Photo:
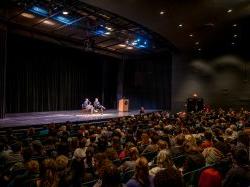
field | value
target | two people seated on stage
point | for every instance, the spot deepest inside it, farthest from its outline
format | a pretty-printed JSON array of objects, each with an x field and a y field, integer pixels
[{"x": 92, "y": 108}]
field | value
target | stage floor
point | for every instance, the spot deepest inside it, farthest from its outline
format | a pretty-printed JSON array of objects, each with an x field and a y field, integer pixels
[{"x": 75, "y": 116}]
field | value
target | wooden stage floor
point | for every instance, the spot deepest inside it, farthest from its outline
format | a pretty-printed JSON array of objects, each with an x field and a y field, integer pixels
[{"x": 74, "y": 116}]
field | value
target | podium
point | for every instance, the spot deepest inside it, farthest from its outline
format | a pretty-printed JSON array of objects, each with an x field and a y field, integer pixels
[{"x": 123, "y": 105}]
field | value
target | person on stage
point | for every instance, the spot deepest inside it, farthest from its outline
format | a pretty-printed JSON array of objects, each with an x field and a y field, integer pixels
[
  {"x": 98, "y": 106},
  {"x": 87, "y": 105}
]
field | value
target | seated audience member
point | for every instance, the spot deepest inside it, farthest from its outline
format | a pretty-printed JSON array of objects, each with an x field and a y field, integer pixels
[
  {"x": 208, "y": 140},
  {"x": 153, "y": 146},
  {"x": 177, "y": 149},
  {"x": 29, "y": 177},
  {"x": 141, "y": 177},
  {"x": 98, "y": 106},
  {"x": 130, "y": 164},
  {"x": 194, "y": 159},
  {"x": 163, "y": 161},
  {"x": 168, "y": 177},
  {"x": 109, "y": 176},
  {"x": 211, "y": 176},
  {"x": 48, "y": 174},
  {"x": 239, "y": 174}
]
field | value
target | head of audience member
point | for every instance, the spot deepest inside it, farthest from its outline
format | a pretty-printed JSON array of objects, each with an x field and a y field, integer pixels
[
  {"x": 133, "y": 153},
  {"x": 61, "y": 163},
  {"x": 163, "y": 160},
  {"x": 212, "y": 155},
  {"x": 241, "y": 157},
  {"x": 168, "y": 177},
  {"x": 180, "y": 139},
  {"x": 110, "y": 175},
  {"x": 16, "y": 147},
  {"x": 142, "y": 171}
]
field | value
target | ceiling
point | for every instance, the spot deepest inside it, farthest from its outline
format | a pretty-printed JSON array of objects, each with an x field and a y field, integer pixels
[
  {"x": 205, "y": 23},
  {"x": 189, "y": 26},
  {"x": 77, "y": 24}
]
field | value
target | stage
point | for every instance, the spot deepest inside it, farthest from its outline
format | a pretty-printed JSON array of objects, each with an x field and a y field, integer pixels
[{"x": 74, "y": 116}]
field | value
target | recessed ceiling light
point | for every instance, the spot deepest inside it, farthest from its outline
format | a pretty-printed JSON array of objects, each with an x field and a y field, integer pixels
[
  {"x": 191, "y": 35},
  {"x": 65, "y": 12},
  {"x": 109, "y": 28},
  {"x": 235, "y": 25},
  {"x": 129, "y": 47},
  {"x": 229, "y": 10},
  {"x": 235, "y": 36},
  {"x": 27, "y": 15},
  {"x": 162, "y": 12},
  {"x": 233, "y": 43},
  {"x": 197, "y": 43},
  {"x": 199, "y": 49},
  {"x": 180, "y": 25},
  {"x": 49, "y": 22},
  {"x": 122, "y": 45}
]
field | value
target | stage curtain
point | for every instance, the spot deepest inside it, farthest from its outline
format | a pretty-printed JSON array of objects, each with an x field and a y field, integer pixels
[
  {"x": 47, "y": 77},
  {"x": 3, "y": 60}
]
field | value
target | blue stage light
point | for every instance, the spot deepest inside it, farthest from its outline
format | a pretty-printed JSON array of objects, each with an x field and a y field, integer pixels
[
  {"x": 139, "y": 42},
  {"x": 38, "y": 10},
  {"x": 63, "y": 19}
]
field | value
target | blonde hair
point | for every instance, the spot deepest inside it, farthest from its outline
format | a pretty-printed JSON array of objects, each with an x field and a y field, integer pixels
[{"x": 61, "y": 162}]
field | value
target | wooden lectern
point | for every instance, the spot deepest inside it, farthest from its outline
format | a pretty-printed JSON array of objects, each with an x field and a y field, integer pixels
[{"x": 123, "y": 105}]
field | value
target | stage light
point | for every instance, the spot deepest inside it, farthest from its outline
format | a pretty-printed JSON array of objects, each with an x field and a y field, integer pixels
[
  {"x": 162, "y": 12},
  {"x": 38, "y": 10},
  {"x": 235, "y": 25},
  {"x": 63, "y": 19},
  {"x": 197, "y": 43},
  {"x": 191, "y": 35},
  {"x": 129, "y": 47},
  {"x": 180, "y": 25},
  {"x": 27, "y": 15},
  {"x": 233, "y": 43},
  {"x": 109, "y": 28},
  {"x": 122, "y": 45},
  {"x": 229, "y": 10},
  {"x": 48, "y": 22},
  {"x": 199, "y": 49},
  {"x": 65, "y": 12},
  {"x": 235, "y": 36}
]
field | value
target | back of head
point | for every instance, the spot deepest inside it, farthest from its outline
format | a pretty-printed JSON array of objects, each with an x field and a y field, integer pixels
[
  {"x": 208, "y": 135},
  {"x": 240, "y": 156},
  {"x": 142, "y": 171},
  {"x": 61, "y": 162},
  {"x": 168, "y": 177},
  {"x": 16, "y": 147},
  {"x": 111, "y": 176},
  {"x": 180, "y": 139},
  {"x": 212, "y": 155}
]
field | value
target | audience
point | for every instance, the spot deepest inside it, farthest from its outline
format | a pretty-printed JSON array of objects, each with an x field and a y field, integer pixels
[{"x": 205, "y": 149}]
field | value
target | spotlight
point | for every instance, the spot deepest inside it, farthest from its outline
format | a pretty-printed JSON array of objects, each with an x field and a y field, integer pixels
[
  {"x": 122, "y": 45},
  {"x": 191, "y": 35},
  {"x": 235, "y": 36},
  {"x": 27, "y": 15},
  {"x": 129, "y": 47},
  {"x": 107, "y": 33},
  {"x": 199, "y": 49},
  {"x": 197, "y": 43},
  {"x": 235, "y": 25},
  {"x": 162, "y": 12},
  {"x": 229, "y": 10},
  {"x": 180, "y": 25},
  {"x": 47, "y": 22},
  {"x": 65, "y": 12}
]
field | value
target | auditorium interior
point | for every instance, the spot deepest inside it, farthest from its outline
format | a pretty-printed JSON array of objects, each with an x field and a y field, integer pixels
[{"x": 133, "y": 93}]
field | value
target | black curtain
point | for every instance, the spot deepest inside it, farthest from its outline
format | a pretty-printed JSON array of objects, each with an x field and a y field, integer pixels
[
  {"x": 148, "y": 82},
  {"x": 3, "y": 60},
  {"x": 47, "y": 77}
]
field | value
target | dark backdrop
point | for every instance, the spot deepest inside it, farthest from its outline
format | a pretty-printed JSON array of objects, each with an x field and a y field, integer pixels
[
  {"x": 147, "y": 82},
  {"x": 46, "y": 77}
]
